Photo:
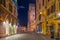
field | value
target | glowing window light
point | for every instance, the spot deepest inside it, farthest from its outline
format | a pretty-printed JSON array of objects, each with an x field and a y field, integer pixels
[
  {"x": 10, "y": 24},
  {"x": 4, "y": 23}
]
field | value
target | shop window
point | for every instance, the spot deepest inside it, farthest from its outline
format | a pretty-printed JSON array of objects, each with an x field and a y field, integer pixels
[
  {"x": 39, "y": 27},
  {"x": 51, "y": 27}
]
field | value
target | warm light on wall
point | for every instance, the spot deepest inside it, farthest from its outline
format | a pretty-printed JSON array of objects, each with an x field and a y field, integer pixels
[
  {"x": 40, "y": 12},
  {"x": 10, "y": 24},
  {"x": 3, "y": 22},
  {"x": 58, "y": 14},
  {"x": 6, "y": 26}
]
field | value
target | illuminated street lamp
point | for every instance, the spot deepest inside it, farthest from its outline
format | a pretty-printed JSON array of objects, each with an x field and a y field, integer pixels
[
  {"x": 40, "y": 12},
  {"x": 58, "y": 14}
]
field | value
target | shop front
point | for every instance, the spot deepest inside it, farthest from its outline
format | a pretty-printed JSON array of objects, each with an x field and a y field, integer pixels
[
  {"x": 39, "y": 28},
  {"x": 2, "y": 29},
  {"x": 58, "y": 31},
  {"x": 7, "y": 28},
  {"x": 52, "y": 28}
]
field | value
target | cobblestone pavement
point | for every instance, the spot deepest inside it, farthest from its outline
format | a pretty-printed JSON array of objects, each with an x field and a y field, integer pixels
[{"x": 26, "y": 36}]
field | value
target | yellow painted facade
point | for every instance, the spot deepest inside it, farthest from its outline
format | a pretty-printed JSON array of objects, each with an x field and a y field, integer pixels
[{"x": 48, "y": 16}]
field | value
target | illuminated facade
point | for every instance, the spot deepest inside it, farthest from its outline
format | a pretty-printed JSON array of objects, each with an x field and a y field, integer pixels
[
  {"x": 41, "y": 15},
  {"x": 8, "y": 17},
  {"x": 46, "y": 15},
  {"x": 31, "y": 17}
]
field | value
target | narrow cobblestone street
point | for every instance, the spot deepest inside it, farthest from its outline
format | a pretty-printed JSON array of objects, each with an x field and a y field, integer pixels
[{"x": 27, "y": 36}]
